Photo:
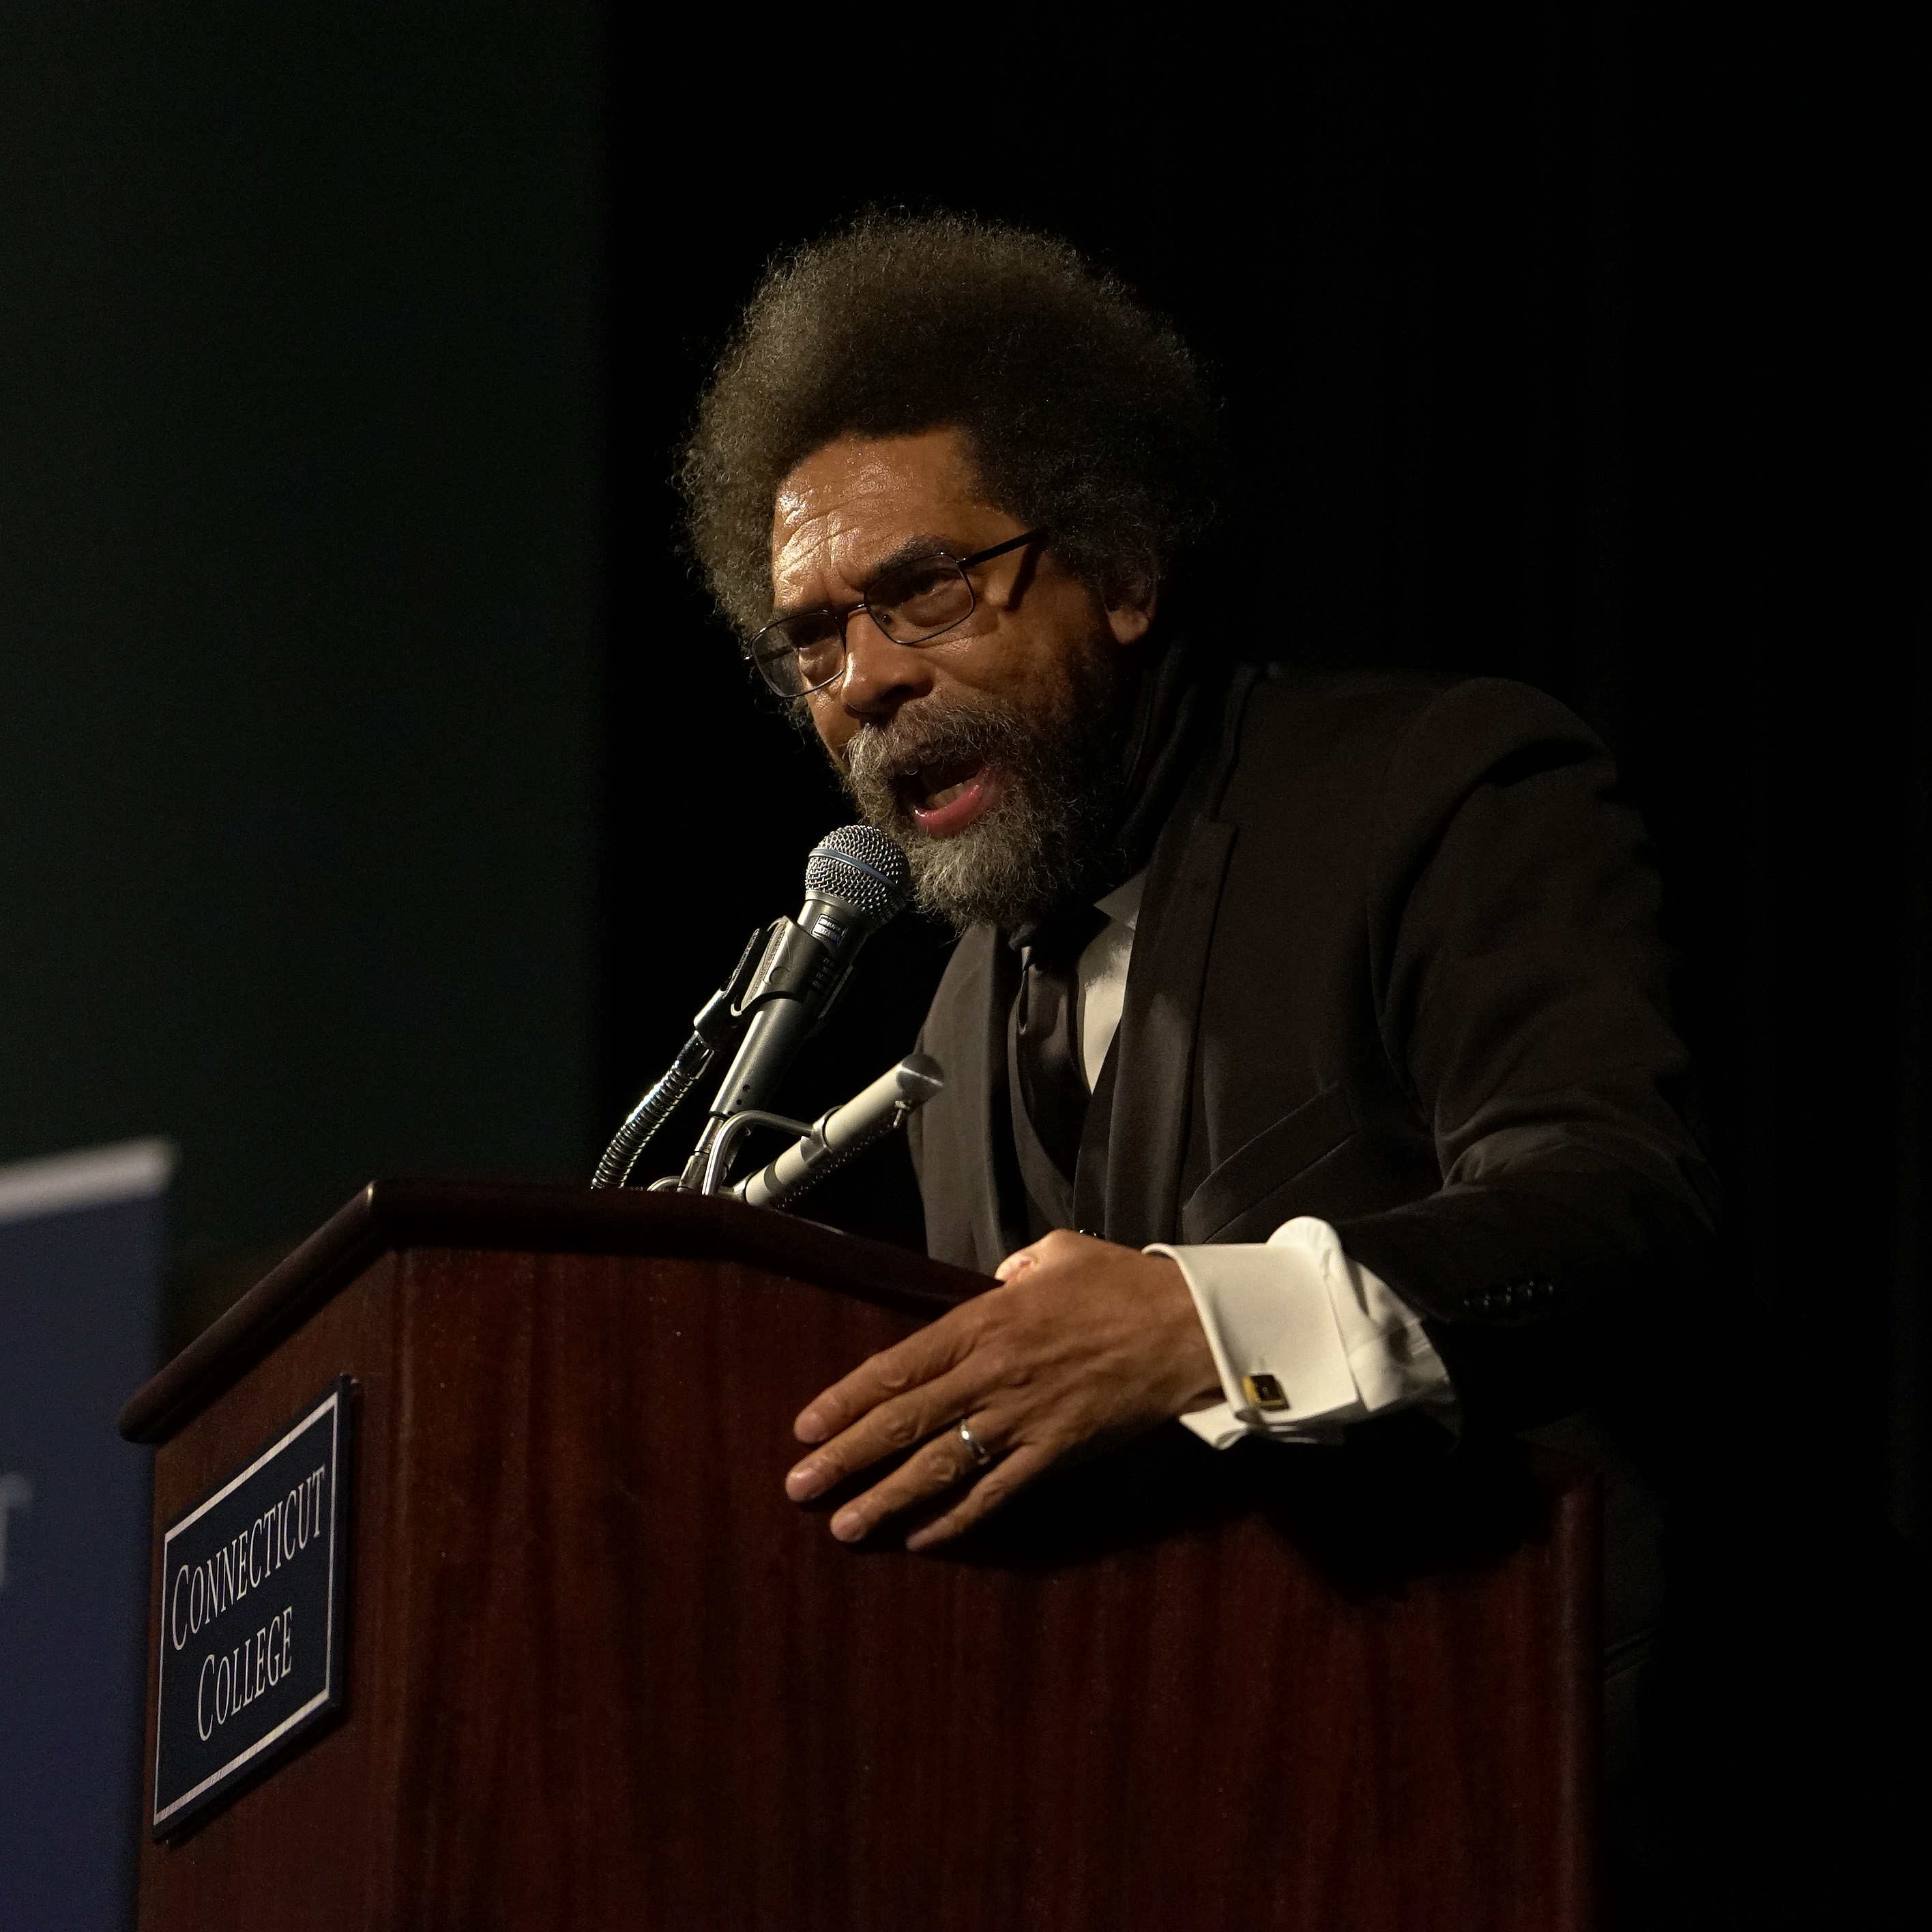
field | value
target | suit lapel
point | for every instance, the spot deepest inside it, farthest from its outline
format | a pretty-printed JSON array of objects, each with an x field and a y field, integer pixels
[
  {"x": 960, "y": 1132},
  {"x": 1132, "y": 1194},
  {"x": 1147, "y": 1125}
]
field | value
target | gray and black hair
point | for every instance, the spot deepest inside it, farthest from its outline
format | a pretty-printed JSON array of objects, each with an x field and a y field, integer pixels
[{"x": 1082, "y": 410}]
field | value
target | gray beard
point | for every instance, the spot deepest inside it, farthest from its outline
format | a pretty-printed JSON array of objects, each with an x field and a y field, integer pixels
[{"x": 1047, "y": 842}]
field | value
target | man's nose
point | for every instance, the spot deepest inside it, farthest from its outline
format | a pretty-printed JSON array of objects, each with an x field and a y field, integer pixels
[{"x": 880, "y": 675}]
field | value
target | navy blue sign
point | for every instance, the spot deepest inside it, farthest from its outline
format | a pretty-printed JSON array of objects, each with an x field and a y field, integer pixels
[
  {"x": 82, "y": 1242},
  {"x": 253, "y": 1611}
]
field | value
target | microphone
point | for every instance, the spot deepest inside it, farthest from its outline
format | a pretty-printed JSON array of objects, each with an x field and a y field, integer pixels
[
  {"x": 868, "y": 1116},
  {"x": 856, "y": 881}
]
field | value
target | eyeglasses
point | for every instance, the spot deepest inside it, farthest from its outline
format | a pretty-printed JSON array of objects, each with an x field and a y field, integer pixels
[{"x": 912, "y": 603}]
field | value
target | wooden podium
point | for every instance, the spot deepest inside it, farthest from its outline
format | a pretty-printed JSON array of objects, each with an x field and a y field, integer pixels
[{"x": 599, "y": 1672}]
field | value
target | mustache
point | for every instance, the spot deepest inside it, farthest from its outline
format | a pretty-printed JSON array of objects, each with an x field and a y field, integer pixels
[
  {"x": 881, "y": 761},
  {"x": 882, "y": 754}
]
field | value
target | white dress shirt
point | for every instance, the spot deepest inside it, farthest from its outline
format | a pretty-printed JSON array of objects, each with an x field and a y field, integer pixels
[{"x": 1304, "y": 1339}]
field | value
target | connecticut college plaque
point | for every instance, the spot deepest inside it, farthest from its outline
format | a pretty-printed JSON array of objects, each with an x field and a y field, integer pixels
[{"x": 253, "y": 1611}]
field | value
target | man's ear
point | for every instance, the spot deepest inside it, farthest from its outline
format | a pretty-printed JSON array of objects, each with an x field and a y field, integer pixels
[{"x": 1130, "y": 608}]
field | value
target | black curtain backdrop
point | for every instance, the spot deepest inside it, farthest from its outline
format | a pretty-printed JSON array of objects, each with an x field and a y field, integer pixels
[
  {"x": 301, "y": 333},
  {"x": 1582, "y": 345}
]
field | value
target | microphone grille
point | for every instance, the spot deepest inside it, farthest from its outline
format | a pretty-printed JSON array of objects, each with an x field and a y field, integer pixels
[{"x": 861, "y": 868}]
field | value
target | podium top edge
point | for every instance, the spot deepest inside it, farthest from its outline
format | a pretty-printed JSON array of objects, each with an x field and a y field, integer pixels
[{"x": 390, "y": 1215}]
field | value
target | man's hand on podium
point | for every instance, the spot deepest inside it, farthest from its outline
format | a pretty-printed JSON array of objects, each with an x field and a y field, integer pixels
[{"x": 1084, "y": 1343}]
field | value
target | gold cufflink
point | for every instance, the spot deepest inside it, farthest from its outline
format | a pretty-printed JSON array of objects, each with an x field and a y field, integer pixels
[{"x": 1264, "y": 1391}]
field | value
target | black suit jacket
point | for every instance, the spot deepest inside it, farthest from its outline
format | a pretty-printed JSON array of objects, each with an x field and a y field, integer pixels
[{"x": 1397, "y": 966}]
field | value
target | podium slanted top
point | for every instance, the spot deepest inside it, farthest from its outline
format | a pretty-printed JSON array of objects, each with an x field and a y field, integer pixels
[{"x": 389, "y": 1215}]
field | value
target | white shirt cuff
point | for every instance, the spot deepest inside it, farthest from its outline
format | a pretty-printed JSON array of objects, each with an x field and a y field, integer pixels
[{"x": 1304, "y": 1339}]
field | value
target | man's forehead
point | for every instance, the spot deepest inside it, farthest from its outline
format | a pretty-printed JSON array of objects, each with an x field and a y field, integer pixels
[{"x": 855, "y": 504}]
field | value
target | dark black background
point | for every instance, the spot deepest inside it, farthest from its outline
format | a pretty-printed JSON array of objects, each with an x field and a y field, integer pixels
[
  {"x": 377, "y": 793},
  {"x": 302, "y": 381}
]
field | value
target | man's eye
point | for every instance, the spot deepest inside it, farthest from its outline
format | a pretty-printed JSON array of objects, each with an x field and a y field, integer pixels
[
  {"x": 812, "y": 631},
  {"x": 921, "y": 580},
  {"x": 922, "y": 592}
]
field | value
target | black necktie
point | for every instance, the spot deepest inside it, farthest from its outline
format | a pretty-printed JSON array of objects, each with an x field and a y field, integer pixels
[{"x": 1053, "y": 1081}]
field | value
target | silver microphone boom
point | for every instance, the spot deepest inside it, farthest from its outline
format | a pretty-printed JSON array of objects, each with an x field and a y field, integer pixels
[{"x": 869, "y": 1116}]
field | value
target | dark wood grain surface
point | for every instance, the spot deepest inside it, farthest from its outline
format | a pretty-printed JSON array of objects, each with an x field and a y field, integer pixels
[
  {"x": 390, "y": 1214},
  {"x": 601, "y": 1673}
]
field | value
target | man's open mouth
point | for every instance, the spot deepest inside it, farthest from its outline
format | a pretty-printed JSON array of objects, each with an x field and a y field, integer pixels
[{"x": 946, "y": 796}]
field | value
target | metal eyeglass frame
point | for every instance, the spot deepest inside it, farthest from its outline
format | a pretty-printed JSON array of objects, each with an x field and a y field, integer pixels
[{"x": 846, "y": 613}]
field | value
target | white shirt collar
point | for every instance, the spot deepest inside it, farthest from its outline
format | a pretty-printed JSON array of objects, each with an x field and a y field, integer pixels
[{"x": 1123, "y": 903}]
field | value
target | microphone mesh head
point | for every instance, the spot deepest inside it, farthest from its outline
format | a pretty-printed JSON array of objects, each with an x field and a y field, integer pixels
[{"x": 861, "y": 868}]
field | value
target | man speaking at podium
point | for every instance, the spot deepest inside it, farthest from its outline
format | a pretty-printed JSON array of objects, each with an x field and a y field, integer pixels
[
  {"x": 1309, "y": 1054},
  {"x": 1308, "y": 1042}
]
